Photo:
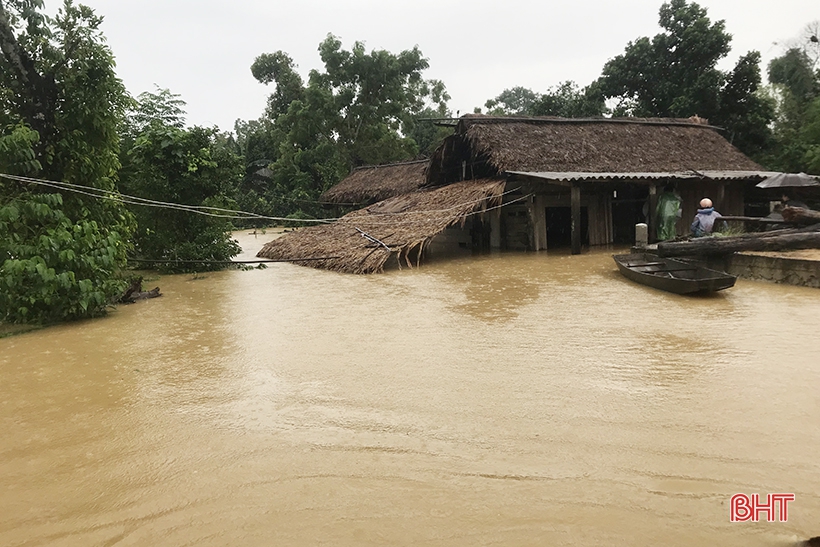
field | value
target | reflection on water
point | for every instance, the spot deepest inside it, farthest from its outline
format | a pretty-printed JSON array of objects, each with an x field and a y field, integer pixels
[
  {"x": 514, "y": 399},
  {"x": 490, "y": 294}
]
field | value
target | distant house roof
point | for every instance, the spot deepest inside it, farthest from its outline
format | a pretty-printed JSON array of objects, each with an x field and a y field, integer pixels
[
  {"x": 493, "y": 145},
  {"x": 377, "y": 182},
  {"x": 396, "y": 228},
  {"x": 556, "y": 177}
]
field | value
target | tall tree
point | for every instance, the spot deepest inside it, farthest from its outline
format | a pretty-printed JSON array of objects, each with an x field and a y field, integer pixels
[
  {"x": 567, "y": 100},
  {"x": 675, "y": 74},
  {"x": 516, "y": 101},
  {"x": 280, "y": 69},
  {"x": 61, "y": 105},
  {"x": 164, "y": 161},
  {"x": 362, "y": 108},
  {"x": 796, "y": 85}
]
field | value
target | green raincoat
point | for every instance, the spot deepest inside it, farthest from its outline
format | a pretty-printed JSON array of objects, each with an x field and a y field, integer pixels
[{"x": 667, "y": 213}]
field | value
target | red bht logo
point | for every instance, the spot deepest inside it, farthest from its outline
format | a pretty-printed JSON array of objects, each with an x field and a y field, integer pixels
[{"x": 750, "y": 508}]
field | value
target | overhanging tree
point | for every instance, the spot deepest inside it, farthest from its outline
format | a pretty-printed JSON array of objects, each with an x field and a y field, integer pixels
[{"x": 61, "y": 104}]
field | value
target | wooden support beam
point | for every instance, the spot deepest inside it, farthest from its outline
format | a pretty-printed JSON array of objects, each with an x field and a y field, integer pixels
[
  {"x": 652, "y": 220},
  {"x": 533, "y": 235},
  {"x": 575, "y": 197},
  {"x": 495, "y": 228}
]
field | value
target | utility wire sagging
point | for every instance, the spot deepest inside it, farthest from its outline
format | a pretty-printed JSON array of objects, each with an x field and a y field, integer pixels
[
  {"x": 231, "y": 214},
  {"x": 97, "y": 193}
]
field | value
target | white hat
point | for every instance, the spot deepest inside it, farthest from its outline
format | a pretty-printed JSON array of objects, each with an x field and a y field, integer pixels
[{"x": 705, "y": 203}]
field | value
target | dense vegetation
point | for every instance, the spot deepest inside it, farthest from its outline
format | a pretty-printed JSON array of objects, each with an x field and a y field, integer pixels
[
  {"x": 60, "y": 253},
  {"x": 65, "y": 116},
  {"x": 164, "y": 161}
]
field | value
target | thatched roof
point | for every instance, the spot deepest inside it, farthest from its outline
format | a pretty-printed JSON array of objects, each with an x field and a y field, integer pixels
[
  {"x": 377, "y": 182},
  {"x": 404, "y": 224},
  {"x": 492, "y": 145}
]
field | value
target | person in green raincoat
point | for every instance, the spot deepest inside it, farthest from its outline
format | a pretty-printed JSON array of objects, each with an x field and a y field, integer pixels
[{"x": 667, "y": 213}]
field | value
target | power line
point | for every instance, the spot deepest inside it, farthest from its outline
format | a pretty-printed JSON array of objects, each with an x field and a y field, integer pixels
[
  {"x": 244, "y": 215},
  {"x": 135, "y": 200}
]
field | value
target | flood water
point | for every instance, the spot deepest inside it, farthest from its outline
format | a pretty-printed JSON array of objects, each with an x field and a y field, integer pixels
[{"x": 511, "y": 399}]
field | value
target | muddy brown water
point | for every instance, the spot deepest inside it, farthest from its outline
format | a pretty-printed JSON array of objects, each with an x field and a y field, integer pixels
[{"x": 514, "y": 399}]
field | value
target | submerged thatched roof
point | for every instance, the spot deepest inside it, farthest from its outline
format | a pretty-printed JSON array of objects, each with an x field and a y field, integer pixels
[
  {"x": 377, "y": 182},
  {"x": 494, "y": 145},
  {"x": 403, "y": 224}
]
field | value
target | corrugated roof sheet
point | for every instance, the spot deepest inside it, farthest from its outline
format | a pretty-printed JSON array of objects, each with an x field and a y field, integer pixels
[{"x": 587, "y": 176}]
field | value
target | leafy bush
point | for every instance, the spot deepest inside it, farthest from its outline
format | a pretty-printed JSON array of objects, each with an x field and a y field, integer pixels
[{"x": 52, "y": 268}]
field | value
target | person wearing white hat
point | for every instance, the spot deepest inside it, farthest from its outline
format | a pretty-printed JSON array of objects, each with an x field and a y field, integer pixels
[{"x": 704, "y": 221}]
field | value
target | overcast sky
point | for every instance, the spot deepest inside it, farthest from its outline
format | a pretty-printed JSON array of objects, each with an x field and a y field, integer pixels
[{"x": 203, "y": 49}]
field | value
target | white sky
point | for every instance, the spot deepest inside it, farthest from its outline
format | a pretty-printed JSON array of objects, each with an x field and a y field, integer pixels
[{"x": 203, "y": 49}]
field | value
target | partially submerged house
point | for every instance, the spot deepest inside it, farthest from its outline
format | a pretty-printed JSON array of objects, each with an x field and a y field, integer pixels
[
  {"x": 589, "y": 181},
  {"x": 533, "y": 184},
  {"x": 401, "y": 228}
]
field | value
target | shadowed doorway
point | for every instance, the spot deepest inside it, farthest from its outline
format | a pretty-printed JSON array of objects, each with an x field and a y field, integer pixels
[{"x": 559, "y": 227}]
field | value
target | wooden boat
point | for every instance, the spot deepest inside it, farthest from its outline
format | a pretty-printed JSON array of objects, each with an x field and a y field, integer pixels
[{"x": 672, "y": 275}]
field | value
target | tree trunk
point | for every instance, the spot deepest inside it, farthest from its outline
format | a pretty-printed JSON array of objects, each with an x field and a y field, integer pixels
[
  {"x": 806, "y": 238},
  {"x": 800, "y": 215}
]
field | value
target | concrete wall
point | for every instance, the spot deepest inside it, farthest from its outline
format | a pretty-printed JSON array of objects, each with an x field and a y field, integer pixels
[{"x": 779, "y": 269}]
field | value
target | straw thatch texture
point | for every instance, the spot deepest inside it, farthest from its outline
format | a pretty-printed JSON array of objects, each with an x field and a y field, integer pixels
[
  {"x": 375, "y": 183},
  {"x": 405, "y": 224},
  {"x": 495, "y": 145}
]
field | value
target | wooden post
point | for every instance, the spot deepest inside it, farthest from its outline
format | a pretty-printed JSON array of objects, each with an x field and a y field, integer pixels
[
  {"x": 495, "y": 228},
  {"x": 540, "y": 223},
  {"x": 576, "y": 218},
  {"x": 653, "y": 220},
  {"x": 533, "y": 236},
  {"x": 721, "y": 194}
]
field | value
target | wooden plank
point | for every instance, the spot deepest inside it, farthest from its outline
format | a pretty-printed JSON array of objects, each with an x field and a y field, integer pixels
[
  {"x": 575, "y": 204},
  {"x": 665, "y": 270},
  {"x": 762, "y": 220}
]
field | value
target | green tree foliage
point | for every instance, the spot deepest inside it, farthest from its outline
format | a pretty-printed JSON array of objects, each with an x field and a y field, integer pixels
[
  {"x": 566, "y": 100},
  {"x": 675, "y": 74},
  {"x": 279, "y": 68},
  {"x": 516, "y": 101},
  {"x": 796, "y": 87},
  {"x": 810, "y": 135},
  {"x": 195, "y": 166},
  {"x": 61, "y": 105},
  {"x": 362, "y": 108},
  {"x": 59, "y": 268},
  {"x": 162, "y": 107}
]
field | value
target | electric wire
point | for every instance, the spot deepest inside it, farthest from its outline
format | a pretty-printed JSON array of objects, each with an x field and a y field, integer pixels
[
  {"x": 125, "y": 198},
  {"x": 134, "y": 200},
  {"x": 243, "y": 215}
]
